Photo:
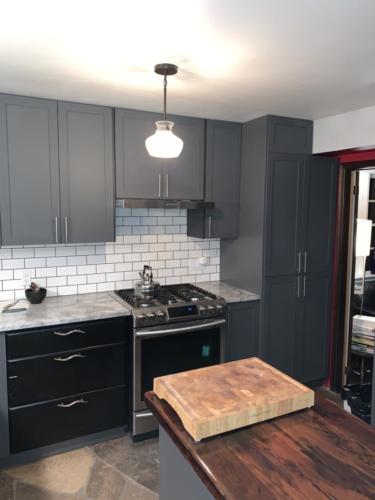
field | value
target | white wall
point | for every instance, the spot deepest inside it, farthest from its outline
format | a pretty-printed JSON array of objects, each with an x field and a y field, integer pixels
[
  {"x": 348, "y": 130},
  {"x": 143, "y": 236}
]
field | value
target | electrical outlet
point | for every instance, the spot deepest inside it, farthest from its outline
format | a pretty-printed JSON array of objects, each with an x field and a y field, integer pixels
[{"x": 26, "y": 278}]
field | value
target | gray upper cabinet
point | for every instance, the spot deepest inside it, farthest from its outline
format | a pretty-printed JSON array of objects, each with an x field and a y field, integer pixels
[
  {"x": 184, "y": 176},
  {"x": 138, "y": 175},
  {"x": 283, "y": 221},
  {"x": 222, "y": 183},
  {"x": 29, "y": 171},
  {"x": 86, "y": 172},
  {"x": 320, "y": 182},
  {"x": 289, "y": 135}
]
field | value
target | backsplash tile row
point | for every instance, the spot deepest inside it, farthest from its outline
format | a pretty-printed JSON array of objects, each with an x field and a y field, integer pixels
[{"x": 143, "y": 236}]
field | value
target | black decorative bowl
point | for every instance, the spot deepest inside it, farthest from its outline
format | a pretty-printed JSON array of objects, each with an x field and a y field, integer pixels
[{"x": 36, "y": 296}]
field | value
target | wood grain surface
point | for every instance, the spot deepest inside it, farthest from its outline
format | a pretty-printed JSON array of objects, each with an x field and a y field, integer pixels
[
  {"x": 317, "y": 453},
  {"x": 224, "y": 397}
]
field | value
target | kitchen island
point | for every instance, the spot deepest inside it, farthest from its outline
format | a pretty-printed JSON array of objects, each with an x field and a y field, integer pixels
[{"x": 322, "y": 452}]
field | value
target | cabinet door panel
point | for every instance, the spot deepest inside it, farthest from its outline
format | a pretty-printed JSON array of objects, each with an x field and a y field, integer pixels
[
  {"x": 87, "y": 172},
  {"x": 137, "y": 173},
  {"x": 313, "y": 331},
  {"x": 242, "y": 333},
  {"x": 284, "y": 205},
  {"x": 280, "y": 317},
  {"x": 320, "y": 183},
  {"x": 184, "y": 176},
  {"x": 29, "y": 170},
  {"x": 289, "y": 135}
]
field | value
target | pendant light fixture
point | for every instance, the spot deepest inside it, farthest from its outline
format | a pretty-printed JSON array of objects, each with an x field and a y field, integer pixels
[{"x": 164, "y": 143}]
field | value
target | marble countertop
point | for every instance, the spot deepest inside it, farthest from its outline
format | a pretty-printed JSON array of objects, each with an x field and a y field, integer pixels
[
  {"x": 65, "y": 309},
  {"x": 228, "y": 292},
  {"x": 87, "y": 307}
]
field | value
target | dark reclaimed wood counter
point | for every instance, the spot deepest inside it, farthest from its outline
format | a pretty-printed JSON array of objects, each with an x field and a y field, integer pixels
[{"x": 322, "y": 452}]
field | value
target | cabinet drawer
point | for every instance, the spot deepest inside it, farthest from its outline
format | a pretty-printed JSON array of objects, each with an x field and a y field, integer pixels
[
  {"x": 68, "y": 418},
  {"x": 40, "y": 379},
  {"x": 65, "y": 338}
]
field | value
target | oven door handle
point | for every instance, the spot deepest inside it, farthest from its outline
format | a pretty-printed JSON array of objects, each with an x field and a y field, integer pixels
[{"x": 182, "y": 329}]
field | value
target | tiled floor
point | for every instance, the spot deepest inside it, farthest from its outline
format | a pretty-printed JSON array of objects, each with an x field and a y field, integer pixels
[{"x": 113, "y": 470}]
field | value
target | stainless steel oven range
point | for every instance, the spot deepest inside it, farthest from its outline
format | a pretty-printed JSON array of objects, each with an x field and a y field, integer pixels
[{"x": 179, "y": 329}]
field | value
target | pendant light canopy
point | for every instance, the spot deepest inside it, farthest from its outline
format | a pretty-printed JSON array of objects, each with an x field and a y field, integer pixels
[{"x": 164, "y": 143}]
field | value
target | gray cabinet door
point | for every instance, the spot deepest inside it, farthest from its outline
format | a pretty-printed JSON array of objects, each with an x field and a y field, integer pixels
[
  {"x": 281, "y": 312},
  {"x": 313, "y": 330},
  {"x": 29, "y": 171},
  {"x": 222, "y": 186},
  {"x": 283, "y": 219},
  {"x": 86, "y": 172},
  {"x": 242, "y": 332},
  {"x": 320, "y": 183},
  {"x": 184, "y": 176},
  {"x": 289, "y": 135},
  {"x": 138, "y": 175}
]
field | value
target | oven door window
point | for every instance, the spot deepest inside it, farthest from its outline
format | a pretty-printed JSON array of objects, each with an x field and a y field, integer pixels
[{"x": 177, "y": 353}]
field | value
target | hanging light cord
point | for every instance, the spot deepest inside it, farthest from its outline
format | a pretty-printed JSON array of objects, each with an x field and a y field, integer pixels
[{"x": 165, "y": 96}]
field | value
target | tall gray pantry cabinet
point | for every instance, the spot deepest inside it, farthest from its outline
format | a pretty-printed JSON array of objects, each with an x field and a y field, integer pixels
[
  {"x": 56, "y": 172},
  {"x": 285, "y": 243}
]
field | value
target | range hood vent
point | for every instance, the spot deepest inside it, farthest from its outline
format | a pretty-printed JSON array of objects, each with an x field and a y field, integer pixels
[{"x": 136, "y": 203}]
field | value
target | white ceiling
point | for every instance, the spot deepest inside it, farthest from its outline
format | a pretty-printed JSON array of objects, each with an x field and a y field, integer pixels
[{"x": 238, "y": 58}]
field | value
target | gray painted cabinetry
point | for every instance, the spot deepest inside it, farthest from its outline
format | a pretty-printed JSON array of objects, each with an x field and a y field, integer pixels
[
  {"x": 242, "y": 331},
  {"x": 222, "y": 182},
  {"x": 287, "y": 209},
  {"x": 138, "y": 175},
  {"x": 56, "y": 172}
]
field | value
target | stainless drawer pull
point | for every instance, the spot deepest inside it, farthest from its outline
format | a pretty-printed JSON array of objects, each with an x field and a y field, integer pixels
[
  {"x": 73, "y": 356},
  {"x": 61, "y": 334},
  {"x": 73, "y": 403},
  {"x": 12, "y": 377}
]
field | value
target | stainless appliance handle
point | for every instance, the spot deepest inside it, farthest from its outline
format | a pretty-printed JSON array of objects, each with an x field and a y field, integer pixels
[
  {"x": 73, "y": 403},
  {"x": 209, "y": 226},
  {"x": 166, "y": 185},
  {"x": 144, "y": 414},
  {"x": 159, "y": 192},
  {"x": 305, "y": 265},
  {"x": 66, "y": 229},
  {"x": 304, "y": 285},
  {"x": 168, "y": 331},
  {"x": 299, "y": 262},
  {"x": 298, "y": 286},
  {"x": 61, "y": 334},
  {"x": 69, "y": 358},
  {"x": 56, "y": 230}
]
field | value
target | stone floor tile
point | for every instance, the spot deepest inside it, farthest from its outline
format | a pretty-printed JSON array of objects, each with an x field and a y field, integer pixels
[
  {"x": 139, "y": 461},
  {"x": 135, "y": 491},
  {"x": 64, "y": 473},
  {"x": 30, "y": 492},
  {"x": 6, "y": 488},
  {"x": 105, "y": 482}
]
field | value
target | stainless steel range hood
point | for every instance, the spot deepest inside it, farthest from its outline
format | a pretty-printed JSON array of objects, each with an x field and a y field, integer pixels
[{"x": 135, "y": 203}]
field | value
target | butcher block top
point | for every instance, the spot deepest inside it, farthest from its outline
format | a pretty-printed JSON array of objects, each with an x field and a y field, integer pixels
[{"x": 220, "y": 398}]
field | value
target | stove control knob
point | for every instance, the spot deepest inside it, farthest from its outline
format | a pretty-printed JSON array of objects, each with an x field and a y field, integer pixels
[
  {"x": 151, "y": 315},
  {"x": 202, "y": 308},
  {"x": 140, "y": 317},
  {"x": 210, "y": 308},
  {"x": 219, "y": 307},
  {"x": 160, "y": 314}
]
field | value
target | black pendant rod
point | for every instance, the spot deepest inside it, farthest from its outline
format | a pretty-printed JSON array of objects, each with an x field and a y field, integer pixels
[{"x": 165, "y": 96}]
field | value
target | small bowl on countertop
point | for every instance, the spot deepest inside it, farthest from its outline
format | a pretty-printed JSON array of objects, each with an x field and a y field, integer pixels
[{"x": 36, "y": 296}]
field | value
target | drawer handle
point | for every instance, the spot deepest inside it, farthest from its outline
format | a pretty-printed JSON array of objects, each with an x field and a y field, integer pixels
[
  {"x": 73, "y": 403},
  {"x": 73, "y": 356},
  {"x": 12, "y": 377},
  {"x": 61, "y": 334}
]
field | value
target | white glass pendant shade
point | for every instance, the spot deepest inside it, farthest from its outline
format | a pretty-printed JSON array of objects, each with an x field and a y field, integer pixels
[{"x": 164, "y": 143}]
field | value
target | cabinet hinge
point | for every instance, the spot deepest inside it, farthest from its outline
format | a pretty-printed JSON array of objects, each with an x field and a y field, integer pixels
[
  {"x": 346, "y": 370},
  {"x": 355, "y": 190}
]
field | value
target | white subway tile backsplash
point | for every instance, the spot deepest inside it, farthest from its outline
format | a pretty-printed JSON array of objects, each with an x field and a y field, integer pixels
[{"x": 143, "y": 236}]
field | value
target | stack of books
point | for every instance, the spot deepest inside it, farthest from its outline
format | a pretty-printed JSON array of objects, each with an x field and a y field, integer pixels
[{"x": 363, "y": 335}]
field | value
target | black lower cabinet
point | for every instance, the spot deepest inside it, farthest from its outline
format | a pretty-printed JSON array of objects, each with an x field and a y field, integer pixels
[
  {"x": 296, "y": 320},
  {"x": 47, "y": 423},
  {"x": 242, "y": 332},
  {"x": 48, "y": 377}
]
